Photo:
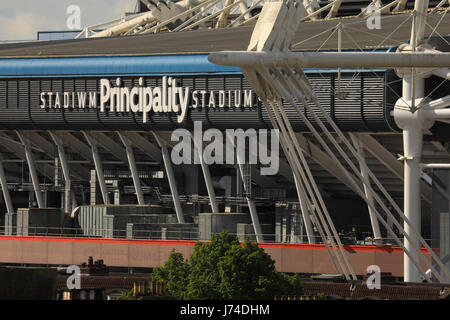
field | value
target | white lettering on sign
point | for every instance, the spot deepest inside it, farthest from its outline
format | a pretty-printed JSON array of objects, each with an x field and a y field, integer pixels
[{"x": 167, "y": 98}]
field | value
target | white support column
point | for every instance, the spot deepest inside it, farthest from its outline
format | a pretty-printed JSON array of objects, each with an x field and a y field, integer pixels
[
  {"x": 132, "y": 164},
  {"x": 98, "y": 167},
  {"x": 207, "y": 176},
  {"x": 412, "y": 142},
  {"x": 32, "y": 168},
  {"x": 5, "y": 190},
  {"x": 171, "y": 177},
  {"x": 363, "y": 165},
  {"x": 412, "y": 92},
  {"x": 413, "y": 125}
]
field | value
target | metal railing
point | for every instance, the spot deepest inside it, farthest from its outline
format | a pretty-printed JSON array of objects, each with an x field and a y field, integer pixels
[{"x": 164, "y": 234}]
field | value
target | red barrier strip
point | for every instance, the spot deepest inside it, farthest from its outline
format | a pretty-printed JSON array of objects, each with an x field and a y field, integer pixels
[{"x": 349, "y": 248}]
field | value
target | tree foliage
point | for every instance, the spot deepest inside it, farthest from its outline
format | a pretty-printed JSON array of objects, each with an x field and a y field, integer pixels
[
  {"x": 225, "y": 269},
  {"x": 174, "y": 273}
]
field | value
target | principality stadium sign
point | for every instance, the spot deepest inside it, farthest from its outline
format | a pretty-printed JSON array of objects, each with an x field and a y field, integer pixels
[{"x": 167, "y": 98}]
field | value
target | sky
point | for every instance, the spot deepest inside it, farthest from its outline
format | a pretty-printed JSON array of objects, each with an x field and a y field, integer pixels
[{"x": 22, "y": 19}]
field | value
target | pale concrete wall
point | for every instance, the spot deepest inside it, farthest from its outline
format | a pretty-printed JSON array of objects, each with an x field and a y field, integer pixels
[{"x": 152, "y": 253}]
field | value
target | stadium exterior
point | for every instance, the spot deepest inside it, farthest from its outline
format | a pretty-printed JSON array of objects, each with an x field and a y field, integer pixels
[{"x": 67, "y": 142}]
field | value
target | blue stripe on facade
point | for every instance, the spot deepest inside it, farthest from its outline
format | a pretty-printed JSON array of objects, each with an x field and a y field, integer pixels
[
  {"x": 186, "y": 64},
  {"x": 117, "y": 65}
]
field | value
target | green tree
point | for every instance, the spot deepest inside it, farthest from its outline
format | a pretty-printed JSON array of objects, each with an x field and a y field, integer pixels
[
  {"x": 174, "y": 273},
  {"x": 225, "y": 269}
]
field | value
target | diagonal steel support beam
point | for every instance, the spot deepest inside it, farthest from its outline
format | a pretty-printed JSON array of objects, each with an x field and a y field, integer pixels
[
  {"x": 321, "y": 158},
  {"x": 70, "y": 201},
  {"x": 364, "y": 174},
  {"x": 305, "y": 213},
  {"x": 170, "y": 177},
  {"x": 334, "y": 9},
  {"x": 198, "y": 147},
  {"x": 5, "y": 189},
  {"x": 250, "y": 202},
  {"x": 109, "y": 144},
  {"x": 143, "y": 144},
  {"x": 74, "y": 144},
  {"x": 48, "y": 148},
  {"x": 252, "y": 208},
  {"x": 443, "y": 73},
  {"x": 98, "y": 166},
  {"x": 401, "y": 4},
  {"x": 132, "y": 164},
  {"x": 390, "y": 161},
  {"x": 32, "y": 168},
  {"x": 16, "y": 148}
]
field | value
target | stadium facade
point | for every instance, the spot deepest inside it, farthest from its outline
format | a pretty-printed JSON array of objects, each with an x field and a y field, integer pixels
[{"x": 86, "y": 127}]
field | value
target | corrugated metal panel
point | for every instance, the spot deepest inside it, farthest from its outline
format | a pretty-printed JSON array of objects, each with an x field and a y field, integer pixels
[
  {"x": 10, "y": 111},
  {"x": 91, "y": 222},
  {"x": 12, "y": 94},
  {"x": 347, "y": 105},
  {"x": 322, "y": 85},
  {"x": 374, "y": 102},
  {"x": 229, "y": 115},
  {"x": 3, "y": 98},
  {"x": 21, "y": 109}
]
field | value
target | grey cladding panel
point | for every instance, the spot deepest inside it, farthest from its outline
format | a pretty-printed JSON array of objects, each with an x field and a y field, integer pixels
[{"x": 20, "y": 104}]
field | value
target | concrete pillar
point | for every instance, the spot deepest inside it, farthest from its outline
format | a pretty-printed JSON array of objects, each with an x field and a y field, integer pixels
[{"x": 116, "y": 192}]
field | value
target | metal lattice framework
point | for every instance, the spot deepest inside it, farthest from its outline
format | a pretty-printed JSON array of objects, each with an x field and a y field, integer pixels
[
  {"x": 276, "y": 74},
  {"x": 192, "y": 14}
]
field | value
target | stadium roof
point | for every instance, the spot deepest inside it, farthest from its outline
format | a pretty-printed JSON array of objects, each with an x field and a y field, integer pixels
[{"x": 312, "y": 35}]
